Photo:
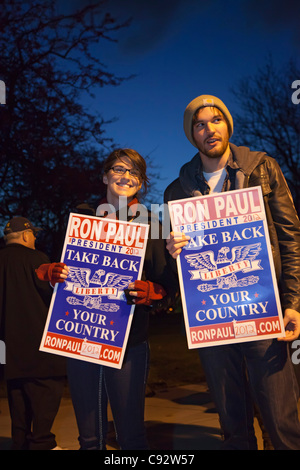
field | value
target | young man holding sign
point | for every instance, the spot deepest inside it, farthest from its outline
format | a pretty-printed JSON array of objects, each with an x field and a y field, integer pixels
[{"x": 220, "y": 166}]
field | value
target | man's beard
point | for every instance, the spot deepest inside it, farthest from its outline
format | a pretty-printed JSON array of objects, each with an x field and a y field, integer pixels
[{"x": 215, "y": 152}]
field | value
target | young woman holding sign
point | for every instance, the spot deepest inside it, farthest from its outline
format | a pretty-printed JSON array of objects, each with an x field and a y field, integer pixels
[{"x": 93, "y": 385}]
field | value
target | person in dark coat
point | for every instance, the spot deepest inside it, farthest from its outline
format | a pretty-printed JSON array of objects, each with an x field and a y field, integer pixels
[{"x": 35, "y": 380}]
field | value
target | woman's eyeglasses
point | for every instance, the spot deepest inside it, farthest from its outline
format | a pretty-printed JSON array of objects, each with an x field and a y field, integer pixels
[{"x": 121, "y": 170}]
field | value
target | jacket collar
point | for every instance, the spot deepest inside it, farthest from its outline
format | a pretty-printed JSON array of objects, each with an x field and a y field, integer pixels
[{"x": 242, "y": 160}]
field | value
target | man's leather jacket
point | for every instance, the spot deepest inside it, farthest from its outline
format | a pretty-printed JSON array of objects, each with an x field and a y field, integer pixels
[{"x": 246, "y": 168}]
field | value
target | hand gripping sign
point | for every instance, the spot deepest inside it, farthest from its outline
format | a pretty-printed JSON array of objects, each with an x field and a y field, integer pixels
[
  {"x": 227, "y": 278},
  {"x": 89, "y": 318}
]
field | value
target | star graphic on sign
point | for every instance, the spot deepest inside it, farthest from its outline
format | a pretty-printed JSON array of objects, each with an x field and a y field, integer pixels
[
  {"x": 67, "y": 313},
  {"x": 256, "y": 295},
  {"x": 112, "y": 322},
  {"x": 203, "y": 302}
]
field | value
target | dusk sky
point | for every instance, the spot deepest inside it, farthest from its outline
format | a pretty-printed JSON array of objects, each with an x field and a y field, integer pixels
[{"x": 181, "y": 49}]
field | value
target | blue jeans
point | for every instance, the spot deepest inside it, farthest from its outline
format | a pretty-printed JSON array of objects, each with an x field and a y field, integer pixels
[
  {"x": 273, "y": 387},
  {"x": 92, "y": 385}
]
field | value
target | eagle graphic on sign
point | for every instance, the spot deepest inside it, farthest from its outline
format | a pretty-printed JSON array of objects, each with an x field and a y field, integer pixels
[
  {"x": 223, "y": 269},
  {"x": 81, "y": 277},
  {"x": 120, "y": 281}
]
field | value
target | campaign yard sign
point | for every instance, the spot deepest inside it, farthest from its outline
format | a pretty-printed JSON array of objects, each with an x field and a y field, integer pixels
[
  {"x": 227, "y": 278},
  {"x": 89, "y": 318}
]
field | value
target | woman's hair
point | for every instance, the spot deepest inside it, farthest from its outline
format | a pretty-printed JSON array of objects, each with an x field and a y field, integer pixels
[{"x": 136, "y": 159}]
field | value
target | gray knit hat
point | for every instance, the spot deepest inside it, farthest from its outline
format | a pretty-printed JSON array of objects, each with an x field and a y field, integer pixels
[{"x": 201, "y": 102}]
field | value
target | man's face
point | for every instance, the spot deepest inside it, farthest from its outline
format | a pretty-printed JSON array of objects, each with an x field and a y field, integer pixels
[{"x": 210, "y": 132}]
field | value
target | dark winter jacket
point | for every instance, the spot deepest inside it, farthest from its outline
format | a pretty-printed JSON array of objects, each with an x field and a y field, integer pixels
[
  {"x": 24, "y": 303},
  {"x": 245, "y": 169}
]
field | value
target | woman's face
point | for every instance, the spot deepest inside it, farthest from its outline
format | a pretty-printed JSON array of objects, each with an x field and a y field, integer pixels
[{"x": 118, "y": 185}]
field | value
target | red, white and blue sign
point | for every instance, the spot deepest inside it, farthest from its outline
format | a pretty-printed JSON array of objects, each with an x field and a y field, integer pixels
[
  {"x": 227, "y": 279},
  {"x": 89, "y": 318}
]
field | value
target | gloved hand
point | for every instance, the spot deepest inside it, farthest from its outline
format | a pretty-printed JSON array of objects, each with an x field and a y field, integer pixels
[
  {"x": 52, "y": 272},
  {"x": 144, "y": 292}
]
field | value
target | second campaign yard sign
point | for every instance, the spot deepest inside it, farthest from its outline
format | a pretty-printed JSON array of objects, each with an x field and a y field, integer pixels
[
  {"x": 227, "y": 279},
  {"x": 89, "y": 318}
]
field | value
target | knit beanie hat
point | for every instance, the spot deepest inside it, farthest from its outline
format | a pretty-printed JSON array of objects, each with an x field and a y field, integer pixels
[{"x": 201, "y": 102}]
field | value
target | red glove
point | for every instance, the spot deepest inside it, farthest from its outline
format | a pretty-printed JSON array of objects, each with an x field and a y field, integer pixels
[
  {"x": 147, "y": 292},
  {"x": 51, "y": 272}
]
